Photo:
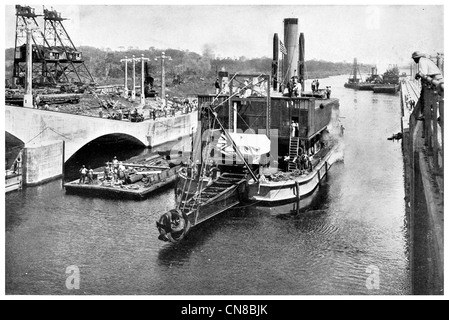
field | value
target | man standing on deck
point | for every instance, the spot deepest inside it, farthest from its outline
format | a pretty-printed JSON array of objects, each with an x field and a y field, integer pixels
[
  {"x": 328, "y": 92},
  {"x": 90, "y": 176},
  {"x": 115, "y": 163},
  {"x": 107, "y": 172},
  {"x": 83, "y": 173},
  {"x": 295, "y": 87}
]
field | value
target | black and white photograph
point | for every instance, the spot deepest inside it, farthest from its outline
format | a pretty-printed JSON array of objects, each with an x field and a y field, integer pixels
[{"x": 223, "y": 149}]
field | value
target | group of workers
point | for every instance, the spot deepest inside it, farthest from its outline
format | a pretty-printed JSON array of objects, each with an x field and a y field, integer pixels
[
  {"x": 409, "y": 102},
  {"x": 86, "y": 173},
  {"x": 133, "y": 116},
  {"x": 116, "y": 171},
  {"x": 194, "y": 169},
  {"x": 113, "y": 171},
  {"x": 136, "y": 116},
  {"x": 302, "y": 161},
  {"x": 294, "y": 88}
]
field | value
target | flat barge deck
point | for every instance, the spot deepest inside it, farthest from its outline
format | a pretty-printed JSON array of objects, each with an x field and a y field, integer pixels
[{"x": 150, "y": 175}]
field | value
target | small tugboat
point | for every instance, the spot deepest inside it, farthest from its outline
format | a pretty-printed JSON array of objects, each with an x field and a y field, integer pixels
[
  {"x": 267, "y": 146},
  {"x": 135, "y": 178}
]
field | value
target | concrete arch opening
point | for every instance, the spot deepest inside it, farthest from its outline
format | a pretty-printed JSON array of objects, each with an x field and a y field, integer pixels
[{"x": 97, "y": 152}]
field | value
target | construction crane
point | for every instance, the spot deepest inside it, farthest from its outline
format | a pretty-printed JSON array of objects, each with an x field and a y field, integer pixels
[{"x": 56, "y": 60}]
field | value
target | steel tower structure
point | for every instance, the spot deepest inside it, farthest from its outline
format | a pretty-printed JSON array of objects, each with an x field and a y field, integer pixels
[
  {"x": 55, "y": 59},
  {"x": 26, "y": 19},
  {"x": 70, "y": 64}
]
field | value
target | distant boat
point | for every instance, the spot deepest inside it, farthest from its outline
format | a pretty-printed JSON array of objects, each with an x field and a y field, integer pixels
[
  {"x": 390, "y": 81},
  {"x": 354, "y": 82}
]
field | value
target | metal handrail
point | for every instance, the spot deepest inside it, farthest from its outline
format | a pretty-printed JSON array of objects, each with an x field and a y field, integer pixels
[{"x": 431, "y": 106}]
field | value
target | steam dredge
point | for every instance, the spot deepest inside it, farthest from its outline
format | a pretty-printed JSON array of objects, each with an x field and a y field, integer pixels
[
  {"x": 355, "y": 82},
  {"x": 262, "y": 139},
  {"x": 386, "y": 83}
]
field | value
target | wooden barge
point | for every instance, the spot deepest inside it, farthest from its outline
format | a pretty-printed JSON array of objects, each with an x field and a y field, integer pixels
[{"x": 150, "y": 174}]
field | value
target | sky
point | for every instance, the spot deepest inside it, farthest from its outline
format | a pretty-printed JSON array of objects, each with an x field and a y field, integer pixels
[{"x": 375, "y": 34}]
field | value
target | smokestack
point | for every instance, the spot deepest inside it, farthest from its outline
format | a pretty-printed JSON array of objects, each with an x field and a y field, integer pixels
[
  {"x": 302, "y": 50},
  {"x": 355, "y": 69},
  {"x": 291, "y": 44},
  {"x": 275, "y": 63}
]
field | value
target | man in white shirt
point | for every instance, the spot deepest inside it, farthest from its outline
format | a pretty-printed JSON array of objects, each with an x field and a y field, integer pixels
[{"x": 426, "y": 66}]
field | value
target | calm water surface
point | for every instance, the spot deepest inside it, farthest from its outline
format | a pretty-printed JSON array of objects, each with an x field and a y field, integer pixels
[{"x": 355, "y": 222}]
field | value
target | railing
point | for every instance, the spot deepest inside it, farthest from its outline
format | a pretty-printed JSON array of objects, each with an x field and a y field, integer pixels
[
  {"x": 431, "y": 107},
  {"x": 424, "y": 164}
]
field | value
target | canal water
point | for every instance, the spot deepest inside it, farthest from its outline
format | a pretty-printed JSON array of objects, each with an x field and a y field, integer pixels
[{"x": 351, "y": 240}]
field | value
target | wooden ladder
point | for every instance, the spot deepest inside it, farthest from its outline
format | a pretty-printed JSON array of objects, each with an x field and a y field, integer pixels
[{"x": 293, "y": 152}]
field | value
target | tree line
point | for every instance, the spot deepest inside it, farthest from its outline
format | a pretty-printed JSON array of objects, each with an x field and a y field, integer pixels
[{"x": 185, "y": 66}]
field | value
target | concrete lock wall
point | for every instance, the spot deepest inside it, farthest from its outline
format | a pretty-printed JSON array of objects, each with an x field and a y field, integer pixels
[
  {"x": 170, "y": 129},
  {"x": 40, "y": 126},
  {"x": 42, "y": 162}
]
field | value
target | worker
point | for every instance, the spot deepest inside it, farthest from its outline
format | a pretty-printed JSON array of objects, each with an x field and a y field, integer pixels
[
  {"x": 293, "y": 129},
  {"x": 245, "y": 91},
  {"x": 115, "y": 162},
  {"x": 426, "y": 67},
  {"x": 121, "y": 171},
  {"x": 328, "y": 92},
  {"x": 17, "y": 165},
  {"x": 295, "y": 87},
  {"x": 90, "y": 176},
  {"x": 83, "y": 174},
  {"x": 107, "y": 172},
  {"x": 217, "y": 86}
]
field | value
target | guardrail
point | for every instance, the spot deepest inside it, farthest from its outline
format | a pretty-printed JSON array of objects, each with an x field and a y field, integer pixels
[
  {"x": 424, "y": 166},
  {"x": 431, "y": 106}
]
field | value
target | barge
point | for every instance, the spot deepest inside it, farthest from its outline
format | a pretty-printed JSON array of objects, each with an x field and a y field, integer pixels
[
  {"x": 138, "y": 180},
  {"x": 386, "y": 88}
]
